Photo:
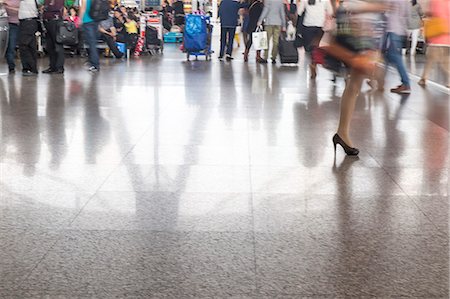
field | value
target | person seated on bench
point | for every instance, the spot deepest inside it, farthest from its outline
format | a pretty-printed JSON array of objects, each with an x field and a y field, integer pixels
[
  {"x": 109, "y": 35},
  {"x": 119, "y": 24}
]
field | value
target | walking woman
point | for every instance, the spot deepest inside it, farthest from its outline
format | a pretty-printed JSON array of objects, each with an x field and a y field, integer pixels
[
  {"x": 356, "y": 39},
  {"x": 254, "y": 12},
  {"x": 313, "y": 22},
  {"x": 438, "y": 46}
]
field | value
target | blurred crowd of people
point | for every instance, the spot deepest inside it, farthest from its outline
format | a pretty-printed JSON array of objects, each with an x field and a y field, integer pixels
[{"x": 364, "y": 37}]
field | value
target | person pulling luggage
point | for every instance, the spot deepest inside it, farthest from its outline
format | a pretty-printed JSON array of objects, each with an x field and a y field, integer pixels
[{"x": 274, "y": 17}]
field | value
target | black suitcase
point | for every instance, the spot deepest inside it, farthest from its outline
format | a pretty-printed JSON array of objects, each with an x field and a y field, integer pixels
[
  {"x": 151, "y": 37},
  {"x": 288, "y": 50}
]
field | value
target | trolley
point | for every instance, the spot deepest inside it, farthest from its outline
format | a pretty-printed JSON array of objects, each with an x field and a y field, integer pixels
[
  {"x": 151, "y": 33},
  {"x": 198, "y": 36}
]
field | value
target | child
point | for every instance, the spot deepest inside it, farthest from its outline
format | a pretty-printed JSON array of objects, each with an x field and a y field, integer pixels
[
  {"x": 132, "y": 31},
  {"x": 72, "y": 16}
]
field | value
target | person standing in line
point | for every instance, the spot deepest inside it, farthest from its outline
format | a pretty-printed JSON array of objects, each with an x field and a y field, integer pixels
[
  {"x": 274, "y": 17},
  {"x": 178, "y": 12},
  {"x": 90, "y": 31},
  {"x": 414, "y": 24},
  {"x": 439, "y": 46},
  {"x": 254, "y": 12},
  {"x": 228, "y": 14},
  {"x": 12, "y": 9},
  {"x": 28, "y": 26},
  {"x": 53, "y": 15},
  {"x": 316, "y": 12},
  {"x": 397, "y": 19}
]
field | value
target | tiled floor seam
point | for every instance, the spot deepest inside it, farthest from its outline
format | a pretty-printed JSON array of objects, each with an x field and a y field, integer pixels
[
  {"x": 107, "y": 177},
  {"x": 255, "y": 266},
  {"x": 411, "y": 199},
  {"x": 21, "y": 283}
]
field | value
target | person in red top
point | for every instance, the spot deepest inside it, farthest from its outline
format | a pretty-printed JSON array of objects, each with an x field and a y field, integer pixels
[{"x": 73, "y": 16}]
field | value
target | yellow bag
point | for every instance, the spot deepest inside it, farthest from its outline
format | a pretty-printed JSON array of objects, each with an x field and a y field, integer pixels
[{"x": 435, "y": 26}]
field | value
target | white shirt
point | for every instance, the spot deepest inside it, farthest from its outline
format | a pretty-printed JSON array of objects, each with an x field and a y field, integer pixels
[
  {"x": 315, "y": 14},
  {"x": 27, "y": 9}
]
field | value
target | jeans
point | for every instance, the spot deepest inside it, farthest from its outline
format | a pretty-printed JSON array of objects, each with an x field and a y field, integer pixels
[
  {"x": 394, "y": 56},
  {"x": 12, "y": 43},
  {"x": 90, "y": 32},
  {"x": 273, "y": 32},
  {"x": 55, "y": 51},
  {"x": 226, "y": 40}
]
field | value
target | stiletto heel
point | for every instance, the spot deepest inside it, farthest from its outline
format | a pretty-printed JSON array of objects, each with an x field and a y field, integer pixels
[{"x": 350, "y": 151}]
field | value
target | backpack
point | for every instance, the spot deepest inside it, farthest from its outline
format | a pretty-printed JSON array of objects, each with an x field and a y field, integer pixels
[{"x": 99, "y": 10}]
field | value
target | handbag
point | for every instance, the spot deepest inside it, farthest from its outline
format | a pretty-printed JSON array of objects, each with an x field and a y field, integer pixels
[
  {"x": 260, "y": 41},
  {"x": 435, "y": 26},
  {"x": 67, "y": 33},
  {"x": 40, "y": 21},
  {"x": 364, "y": 62}
]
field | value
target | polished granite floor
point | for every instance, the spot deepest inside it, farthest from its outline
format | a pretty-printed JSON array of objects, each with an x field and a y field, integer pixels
[{"x": 159, "y": 178}]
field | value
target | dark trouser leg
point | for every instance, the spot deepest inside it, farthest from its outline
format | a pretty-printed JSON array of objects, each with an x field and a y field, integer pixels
[
  {"x": 223, "y": 40},
  {"x": 55, "y": 50},
  {"x": 12, "y": 43},
  {"x": 249, "y": 42},
  {"x": 90, "y": 31},
  {"x": 112, "y": 45},
  {"x": 27, "y": 45},
  {"x": 230, "y": 40}
]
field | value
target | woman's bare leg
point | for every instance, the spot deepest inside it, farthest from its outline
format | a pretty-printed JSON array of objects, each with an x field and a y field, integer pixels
[{"x": 352, "y": 89}]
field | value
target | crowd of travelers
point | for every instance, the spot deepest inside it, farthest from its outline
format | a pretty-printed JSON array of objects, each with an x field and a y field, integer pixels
[{"x": 27, "y": 17}]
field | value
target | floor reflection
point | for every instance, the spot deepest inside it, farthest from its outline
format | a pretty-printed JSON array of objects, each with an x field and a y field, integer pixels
[{"x": 158, "y": 177}]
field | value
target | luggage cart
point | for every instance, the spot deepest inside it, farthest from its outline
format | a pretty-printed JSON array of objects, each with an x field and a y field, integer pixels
[
  {"x": 153, "y": 21},
  {"x": 198, "y": 36}
]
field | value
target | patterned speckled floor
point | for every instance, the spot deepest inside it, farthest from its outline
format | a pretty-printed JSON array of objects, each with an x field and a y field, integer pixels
[{"x": 159, "y": 178}]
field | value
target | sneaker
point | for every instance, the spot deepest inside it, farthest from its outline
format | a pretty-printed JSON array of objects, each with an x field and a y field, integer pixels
[
  {"x": 28, "y": 73},
  {"x": 274, "y": 61},
  {"x": 220, "y": 58},
  {"x": 229, "y": 57},
  {"x": 53, "y": 71},
  {"x": 12, "y": 71},
  {"x": 401, "y": 89},
  {"x": 48, "y": 71},
  {"x": 93, "y": 69}
]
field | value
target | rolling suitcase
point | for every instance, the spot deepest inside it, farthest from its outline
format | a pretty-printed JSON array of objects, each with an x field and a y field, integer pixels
[{"x": 288, "y": 50}]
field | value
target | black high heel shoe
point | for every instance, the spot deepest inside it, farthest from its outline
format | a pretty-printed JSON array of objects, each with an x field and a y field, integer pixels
[{"x": 350, "y": 151}]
